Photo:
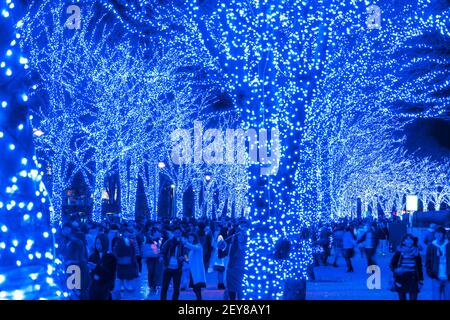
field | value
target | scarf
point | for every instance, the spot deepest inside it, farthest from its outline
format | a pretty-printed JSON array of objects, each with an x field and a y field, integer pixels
[
  {"x": 407, "y": 262},
  {"x": 408, "y": 252},
  {"x": 441, "y": 247}
]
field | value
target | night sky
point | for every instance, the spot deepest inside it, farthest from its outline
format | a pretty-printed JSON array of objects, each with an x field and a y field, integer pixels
[{"x": 429, "y": 138}]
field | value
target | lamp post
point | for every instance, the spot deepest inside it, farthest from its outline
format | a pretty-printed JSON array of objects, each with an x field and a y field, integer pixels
[
  {"x": 208, "y": 180},
  {"x": 172, "y": 188},
  {"x": 160, "y": 165}
]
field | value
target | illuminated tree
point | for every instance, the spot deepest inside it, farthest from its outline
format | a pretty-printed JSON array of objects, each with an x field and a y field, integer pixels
[
  {"x": 271, "y": 54},
  {"x": 375, "y": 84},
  {"x": 55, "y": 56},
  {"x": 116, "y": 114},
  {"x": 337, "y": 91},
  {"x": 27, "y": 266}
]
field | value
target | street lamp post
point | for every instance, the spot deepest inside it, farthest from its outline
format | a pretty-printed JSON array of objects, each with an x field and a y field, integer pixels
[
  {"x": 208, "y": 180},
  {"x": 172, "y": 188},
  {"x": 160, "y": 165}
]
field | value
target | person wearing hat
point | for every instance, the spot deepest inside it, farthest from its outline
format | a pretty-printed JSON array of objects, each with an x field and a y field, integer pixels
[
  {"x": 429, "y": 236},
  {"x": 438, "y": 265}
]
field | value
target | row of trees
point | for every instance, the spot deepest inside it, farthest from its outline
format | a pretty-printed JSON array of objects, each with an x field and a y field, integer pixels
[
  {"x": 109, "y": 107},
  {"x": 373, "y": 87}
]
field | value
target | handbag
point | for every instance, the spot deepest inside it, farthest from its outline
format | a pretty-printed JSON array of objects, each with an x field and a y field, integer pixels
[{"x": 150, "y": 250}]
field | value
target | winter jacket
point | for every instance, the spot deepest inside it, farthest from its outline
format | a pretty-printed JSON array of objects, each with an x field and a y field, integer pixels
[
  {"x": 103, "y": 276},
  {"x": 398, "y": 261},
  {"x": 348, "y": 240},
  {"x": 168, "y": 249},
  {"x": 407, "y": 267},
  {"x": 196, "y": 263},
  {"x": 370, "y": 239},
  {"x": 432, "y": 260}
]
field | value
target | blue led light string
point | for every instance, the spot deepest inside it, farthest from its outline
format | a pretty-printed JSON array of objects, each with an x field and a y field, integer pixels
[{"x": 27, "y": 250}]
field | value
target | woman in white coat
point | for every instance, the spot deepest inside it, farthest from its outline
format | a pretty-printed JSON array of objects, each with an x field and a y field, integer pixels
[{"x": 198, "y": 277}]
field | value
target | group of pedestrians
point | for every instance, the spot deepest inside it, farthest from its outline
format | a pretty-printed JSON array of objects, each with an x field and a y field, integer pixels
[
  {"x": 177, "y": 253},
  {"x": 407, "y": 266},
  {"x": 180, "y": 253},
  {"x": 409, "y": 257},
  {"x": 345, "y": 238},
  {"x": 102, "y": 254}
]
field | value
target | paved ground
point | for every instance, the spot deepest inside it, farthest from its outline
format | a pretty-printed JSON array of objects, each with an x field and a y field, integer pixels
[{"x": 330, "y": 284}]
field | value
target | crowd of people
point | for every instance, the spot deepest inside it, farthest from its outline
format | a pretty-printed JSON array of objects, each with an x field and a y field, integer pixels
[
  {"x": 177, "y": 252},
  {"x": 180, "y": 252},
  {"x": 410, "y": 257}
]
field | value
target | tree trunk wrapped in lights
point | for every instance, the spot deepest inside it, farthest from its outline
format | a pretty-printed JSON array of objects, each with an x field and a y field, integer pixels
[{"x": 28, "y": 266}]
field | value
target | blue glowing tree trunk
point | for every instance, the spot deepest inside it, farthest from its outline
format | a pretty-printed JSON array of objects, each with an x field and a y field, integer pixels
[
  {"x": 272, "y": 55},
  {"x": 26, "y": 239}
]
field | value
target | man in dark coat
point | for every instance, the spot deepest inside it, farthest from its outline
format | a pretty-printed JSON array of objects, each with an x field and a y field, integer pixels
[
  {"x": 207, "y": 247},
  {"x": 236, "y": 263},
  {"x": 76, "y": 256},
  {"x": 438, "y": 265},
  {"x": 173, "y": 253}
]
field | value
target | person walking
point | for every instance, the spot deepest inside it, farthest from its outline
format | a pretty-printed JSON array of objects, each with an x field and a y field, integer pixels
[
  {"x": 383, "y": 236},
  {"x": 186, "y": 268},
  {"x": 137, "y": 241},
  {"x": 429, "y": 235},
  {"x": 113, "y": 236},
  {"x": 220, "y": 253},
  {"x": 76, "y": 255},
  {"x": 348, "y": 247},
  {"x": 324, "y": 241},
  {"x": 438, "y": 265},
  {"x": 197, "y": 269},
  {"x": 370, "y": 240},
  {"x": 359, "y": 233},
  {"x": 338, "y": 235},
  {"x": 103, "y": 266},
  {"x": 151, "y": 253},
  {"x": 207, "y": 247},
  {"x": 406, "y": 264},
  {"x": 127, "y": 268},
  {"x": 173, "y": 253}
]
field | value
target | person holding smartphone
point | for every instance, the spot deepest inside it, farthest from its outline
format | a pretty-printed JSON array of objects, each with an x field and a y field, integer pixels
[{"x": 197, "y": 267}]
